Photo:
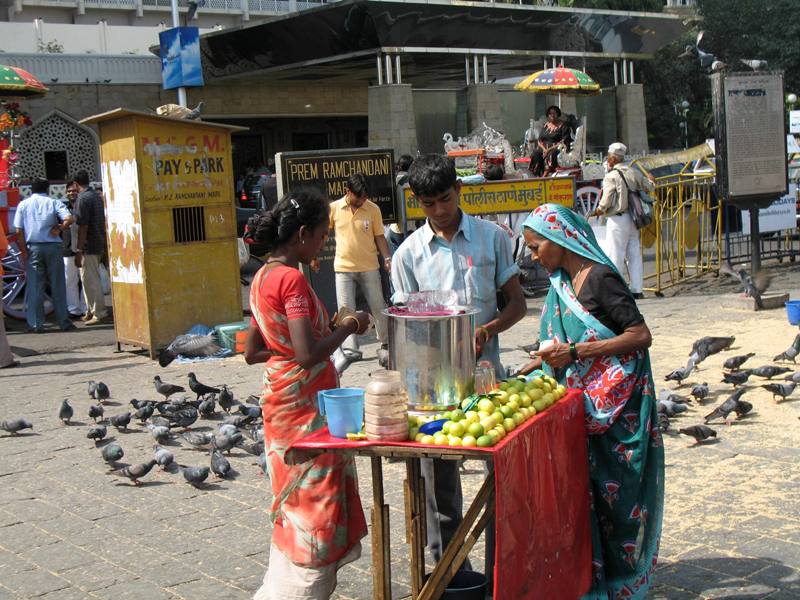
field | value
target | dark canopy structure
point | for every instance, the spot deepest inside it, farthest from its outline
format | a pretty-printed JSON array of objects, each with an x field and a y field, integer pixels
[{"x": 345, "y": 40}]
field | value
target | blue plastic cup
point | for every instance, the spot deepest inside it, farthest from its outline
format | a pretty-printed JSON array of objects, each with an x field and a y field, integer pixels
[{"x": 344, "y": 410}]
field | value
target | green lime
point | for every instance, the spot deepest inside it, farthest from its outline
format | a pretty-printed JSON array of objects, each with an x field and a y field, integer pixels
[{"x": 485, "y": 441}]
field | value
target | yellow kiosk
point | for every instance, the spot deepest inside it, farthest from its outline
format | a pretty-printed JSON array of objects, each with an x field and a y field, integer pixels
[{"x": 171, "y": 225}]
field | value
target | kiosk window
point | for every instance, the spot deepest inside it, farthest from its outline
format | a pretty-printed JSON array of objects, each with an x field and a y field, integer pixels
[{"x": 189, "y": 224}]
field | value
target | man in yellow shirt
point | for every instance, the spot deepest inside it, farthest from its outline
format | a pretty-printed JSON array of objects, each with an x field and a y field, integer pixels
[{"x": 358, "y": 227}]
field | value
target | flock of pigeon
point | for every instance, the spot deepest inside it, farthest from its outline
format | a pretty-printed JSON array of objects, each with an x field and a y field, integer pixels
[
  {"x": 168, "y": 421},
  {"x": 671, "y": 404}
]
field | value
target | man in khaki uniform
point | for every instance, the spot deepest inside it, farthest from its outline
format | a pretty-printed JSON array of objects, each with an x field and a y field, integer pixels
[{"x": 358, "y": 225}]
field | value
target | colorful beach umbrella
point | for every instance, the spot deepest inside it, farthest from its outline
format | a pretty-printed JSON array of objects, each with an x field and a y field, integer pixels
[
  {"x": 561, "y": 80},
  {"x": 18, "y": 82}
]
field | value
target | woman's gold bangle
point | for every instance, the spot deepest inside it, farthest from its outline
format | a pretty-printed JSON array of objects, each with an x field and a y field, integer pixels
[
  {"x": 358, "y": 325},
  {"x": 484, "y": 330}
]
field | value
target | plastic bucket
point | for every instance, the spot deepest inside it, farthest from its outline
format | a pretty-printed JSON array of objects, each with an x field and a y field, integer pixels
[
  {"x": 793, "y": 311},
  {"x": 465, "y": 585},
  {"x": 344, "y": 410}
]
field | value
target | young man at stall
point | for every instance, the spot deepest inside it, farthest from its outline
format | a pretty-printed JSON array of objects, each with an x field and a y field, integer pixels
[{"x": 473, "y": 257}]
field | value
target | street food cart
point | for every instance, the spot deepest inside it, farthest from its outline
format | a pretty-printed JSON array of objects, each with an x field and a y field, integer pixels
[{"x": 538, "y": 496}]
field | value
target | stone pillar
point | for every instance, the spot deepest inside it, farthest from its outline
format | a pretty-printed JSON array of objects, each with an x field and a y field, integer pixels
[
  {"x": 390, "y": 110},
  {"x": 631, "y": 118},
  {"x": 483, "y": 106}
]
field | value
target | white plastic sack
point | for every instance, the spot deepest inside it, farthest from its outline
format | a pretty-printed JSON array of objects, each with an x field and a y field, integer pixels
[
  {"x": 105, "y": 280},
  {"x": 244, "y": 252}
]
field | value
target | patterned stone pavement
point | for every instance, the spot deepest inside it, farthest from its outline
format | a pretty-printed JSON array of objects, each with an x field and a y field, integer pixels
[{"x": 69, "y": 529}]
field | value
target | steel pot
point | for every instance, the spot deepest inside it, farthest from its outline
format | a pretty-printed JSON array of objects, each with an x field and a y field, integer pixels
[{"x": 435, "y": 356}]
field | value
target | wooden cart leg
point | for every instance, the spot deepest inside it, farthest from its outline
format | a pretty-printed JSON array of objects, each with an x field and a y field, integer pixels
[
  {"x": 468, "y": 532},
  {"x": 416, "y": 532},
  {"x": 381, "y": 554}
]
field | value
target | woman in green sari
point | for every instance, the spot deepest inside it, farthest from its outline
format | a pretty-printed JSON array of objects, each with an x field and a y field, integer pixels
[{"x": 600, "y": 343}]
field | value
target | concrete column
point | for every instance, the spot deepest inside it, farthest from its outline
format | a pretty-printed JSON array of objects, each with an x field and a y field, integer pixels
[
  {"x": 390, "y": 111},
  {"x": 631, "y": 117},
  {"x": 483, "y": 106}
]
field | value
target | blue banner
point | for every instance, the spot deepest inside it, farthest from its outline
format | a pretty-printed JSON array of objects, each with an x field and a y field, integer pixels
[{"x": 180, "y": 58}]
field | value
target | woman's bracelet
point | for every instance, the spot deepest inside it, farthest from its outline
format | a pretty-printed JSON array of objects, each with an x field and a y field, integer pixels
[
  {"x": 573, "y": 352},
  {"x": 484, "y": 330},
  {"x": 351, "y": 317}
]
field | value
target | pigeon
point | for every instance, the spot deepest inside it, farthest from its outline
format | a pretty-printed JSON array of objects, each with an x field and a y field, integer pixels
[
  {"x": 727, "y": 407},
  {"x": 700, "y": 433},
  {"x": 791, "y": 352},
  {"x": 92, "y": 388},
  {"x": 780, "y": 389},
  {"x": 102, "y": 392},
  {"x": 743, "y": 407},
  {"x": 670, "y": 408},
  {"x": 793, "y": 377},
  {"x": 197, "y": 439},
  {"x": 96, "y": 411},
  {"x": 254, "y": 448},
  {"x": 237, "y": 420},
  {"x": 145, "y": 412},
  {"x": 159, "y": 432},
  {"x": 135, "y": 472},
  {"x": 226, "y": 429},
  {"x": 663, "y": 422},
  {"x": 207, "y": 406},
  {"x": 738, "y": 378},
  {"x": 200, "y": 388},
  {"x": 668, "y": 395},
  {"x": 250, "y": 411},
  {"x": 219, "y": 464},
  {"x": 262, "y": 463},
  {"x": 706, "y": 346},
  {"x": 194, "y": 475},
  {"x": 14, "y": 426},
  {"x": 138, "y": 404},
  {"x": 255, "y": 433},
  {"x": 718, "y": 66},
  {"x": 166, "y": 389},
  {"x": 97, "y": 433},
  {"x": 225, "y": 443},
  {"x": 160, "y": 422},
  {"x": 699, "y": 392},
  {"x": 163, "y": 457},
  {"x": 167, "y": 409},
  {"x": 752, "y": 285},
  {"x": 65, "y": 412},
  {"x": 112, "y": 453},
  {"x": 225, "y": 398},
  {"x": 706, "y": 59},
  {"x": 121, "y": 421},
  {"x": 769, "y": 371},
  {"x": 680, "y": 374},
  {"x": 197, "y": 110},
  {"x": 191, "y": 345},
  {"x": 184, "y": 418},
  {"x": 755, "y": 64},
  {"x": 734, "y": 362}
]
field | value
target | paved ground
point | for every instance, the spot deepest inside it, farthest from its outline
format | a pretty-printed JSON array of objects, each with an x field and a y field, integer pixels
[{"x": 68, "y": 529}]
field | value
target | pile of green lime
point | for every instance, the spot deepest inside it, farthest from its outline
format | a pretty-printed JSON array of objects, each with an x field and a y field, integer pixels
[{"x": 496, "y": 414}]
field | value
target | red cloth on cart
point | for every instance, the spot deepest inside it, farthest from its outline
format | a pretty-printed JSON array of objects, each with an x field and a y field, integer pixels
[{"x": 544, "y": 547}]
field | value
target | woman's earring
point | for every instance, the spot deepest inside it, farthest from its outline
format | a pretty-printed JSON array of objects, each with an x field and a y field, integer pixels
[{"x": 302, "y": 241}]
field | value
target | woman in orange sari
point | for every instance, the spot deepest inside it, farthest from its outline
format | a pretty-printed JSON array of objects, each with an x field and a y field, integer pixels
[{"x": 317, "y": 519}]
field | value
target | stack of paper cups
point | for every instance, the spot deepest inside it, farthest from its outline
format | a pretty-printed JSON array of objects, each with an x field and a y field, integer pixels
[{"x": 386, "y": 408}]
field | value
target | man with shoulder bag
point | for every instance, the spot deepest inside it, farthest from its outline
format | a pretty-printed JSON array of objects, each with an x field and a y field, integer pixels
[{"x": 626, "y": 212}]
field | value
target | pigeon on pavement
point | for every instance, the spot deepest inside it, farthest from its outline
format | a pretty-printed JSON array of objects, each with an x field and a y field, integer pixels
[
  {"x": 99, "y": 391},
  {"x": 112, "y": 453},
  {"x": 250, "y": 410},
  {"x": 780, "y": 389},
  {"x": 769, "y": 371},
  {"x": 167, "y": 389},
  {"x": 791, "y": 352},
  {"x": 226, "y": 401},
  {"x": 189, "y": 344},
  {"x": 743, "y": 407},
  {"x": 723, "y": 410},
  {"x": 700, "y": 433},
  {"x": 163, "y": 457},
  {"x": 145, "y": 412},
  {"x": 194, "y": 475},
  {"x": 159, "y": 432},
  {"x": 207, "y": 406},
  {"x": 254, "y": 448},
  {"x": 793, "y": 377},
  {"x": 734, "y": 362},
  {"x": 706, "y": 346},
  {"x": 135, "y": 472},
  {"x": 197, "y": 439},
  {"x": 219, "y": 464},
  {"x": 262, "y": 462},
  {"x": 225, "y": 443},
  {"x": 97, "y": 433},
  {"x": 121, "y": 421},
  {"x": 65, "y": 412},
  {"x": 738, "y": 378},
  {"x": 184, "y": 418},
  {"x": 753, "y": 286},
  {"x": 96, "y": 411},
  {"x": 14, "y": 426},
  {"x": 201, "y": 389},
  {"x": 670, "y": 408},
  {"x": 680, "y": 374},
  {"x": 699, "y": 392}
]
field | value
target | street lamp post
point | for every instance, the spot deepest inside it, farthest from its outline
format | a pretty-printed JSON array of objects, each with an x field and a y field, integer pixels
[{"x": 685, "y": 123}]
